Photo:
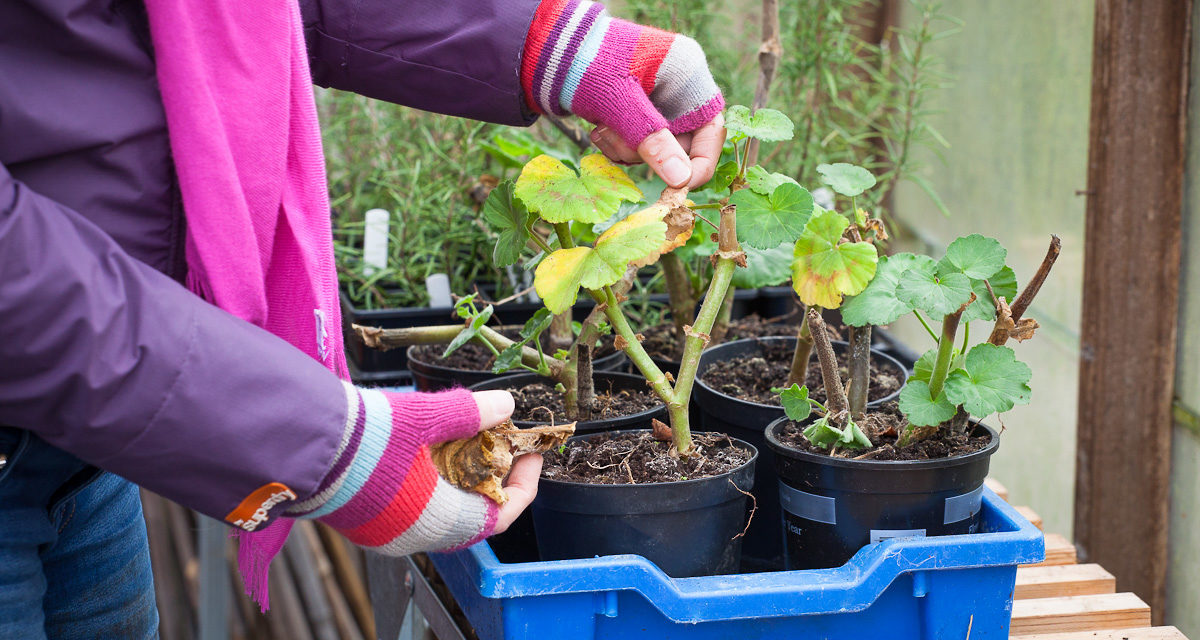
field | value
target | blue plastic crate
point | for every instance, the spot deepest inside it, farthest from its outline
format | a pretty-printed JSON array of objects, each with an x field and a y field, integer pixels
[{"x": 903, "y": 588}]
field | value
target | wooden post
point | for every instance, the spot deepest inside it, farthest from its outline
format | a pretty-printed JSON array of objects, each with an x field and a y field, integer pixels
[{"x": 1131, "y": 289}]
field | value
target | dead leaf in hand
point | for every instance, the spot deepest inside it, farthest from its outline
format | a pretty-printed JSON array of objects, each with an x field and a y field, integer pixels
[
  {"x": 661, "y": 430},
  {"x": 480, "y": 463}
]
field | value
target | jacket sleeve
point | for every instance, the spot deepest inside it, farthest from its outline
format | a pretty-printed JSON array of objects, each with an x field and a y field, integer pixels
[
  {"x": 459, "y": 57},
  {"x": 114, "y": 362}
]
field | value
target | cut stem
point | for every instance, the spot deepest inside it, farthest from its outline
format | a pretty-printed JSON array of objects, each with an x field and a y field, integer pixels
[
  {"x": 385, "y": 339},
  {"x": 801, "y": 356},
  {"x": 835, "y": 394},
  {"x": 860, "y": 369}
]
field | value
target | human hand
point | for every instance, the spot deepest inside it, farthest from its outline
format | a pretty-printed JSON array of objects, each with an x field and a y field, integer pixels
[
  {"x": 382, "y": 490},
  {"x": 649, "y": 91}
]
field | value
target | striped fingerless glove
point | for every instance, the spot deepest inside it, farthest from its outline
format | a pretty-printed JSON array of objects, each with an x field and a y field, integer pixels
[
  {"x": 383, "y": 492},
  {"x": 633, "y": 79}
]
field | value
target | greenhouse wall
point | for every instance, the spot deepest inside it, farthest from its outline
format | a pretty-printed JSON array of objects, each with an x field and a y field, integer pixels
[{"x": 1016, "y": 119}]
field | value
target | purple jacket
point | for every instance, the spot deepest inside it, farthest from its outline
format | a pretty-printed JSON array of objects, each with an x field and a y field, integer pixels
[{"x": 103, "y": 353}]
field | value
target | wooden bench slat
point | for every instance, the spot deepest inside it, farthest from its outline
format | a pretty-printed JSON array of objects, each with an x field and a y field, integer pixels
[
  {"x": 1059, "y": 551},
  {"x": 1030, "y": 515},
  {"x": 1063, "y": 580},
  {"x": 1079, "y": 613},
  {"x": 1144, "y": 633},
  {"x": 995, "y": 485}
]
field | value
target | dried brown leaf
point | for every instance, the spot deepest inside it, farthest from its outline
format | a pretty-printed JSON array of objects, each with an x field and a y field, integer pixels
[
  {"x": 660, "y": 430},
  {"x": 480, "y": 463}
]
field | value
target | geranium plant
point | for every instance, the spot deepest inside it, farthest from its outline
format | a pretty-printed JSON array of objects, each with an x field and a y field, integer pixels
[{"x": 954, "y": 381}]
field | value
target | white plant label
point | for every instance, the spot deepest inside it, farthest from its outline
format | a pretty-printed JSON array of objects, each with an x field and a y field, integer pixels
[
  {"x": 438, "y": 287},
  {"x": 375, "y": 241}
]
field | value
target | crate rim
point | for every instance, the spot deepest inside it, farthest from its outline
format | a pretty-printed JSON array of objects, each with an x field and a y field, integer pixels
[{"x": 852, "y": 587}]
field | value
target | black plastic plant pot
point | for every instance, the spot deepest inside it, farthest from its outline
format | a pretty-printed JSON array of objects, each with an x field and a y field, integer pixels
[
  {"x": 717, "y": 411},
  {"x": 429, "y": 376},
  {"x": 687, "y": 528},
  {"x": 832, "y": 507},
  {"x": 519, "y": 543}
]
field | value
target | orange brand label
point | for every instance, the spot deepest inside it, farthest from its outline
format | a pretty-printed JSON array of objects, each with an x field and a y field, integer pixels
[{"x": 253, "y": 510}]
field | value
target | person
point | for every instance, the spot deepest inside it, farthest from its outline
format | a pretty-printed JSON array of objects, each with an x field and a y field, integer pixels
[{"x": 168, "y": 307}]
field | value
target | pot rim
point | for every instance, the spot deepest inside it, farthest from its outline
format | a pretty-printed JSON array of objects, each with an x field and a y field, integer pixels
[
  {"x": 674, "y": 483},
  {"x": 875, "y": 353},
  {"x": 787, "y": 451}
]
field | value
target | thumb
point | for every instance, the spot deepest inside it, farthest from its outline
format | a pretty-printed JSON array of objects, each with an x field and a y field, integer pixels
[
  {"x": 494, "y": 407},
  {"x": 666, "y": 157}
]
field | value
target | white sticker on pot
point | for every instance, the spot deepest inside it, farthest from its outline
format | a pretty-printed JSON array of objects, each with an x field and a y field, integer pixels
[
  {"x": 878, "y": 535},
  {"x": 962, "y": 507},
  {"x": 809, "y": 506}
]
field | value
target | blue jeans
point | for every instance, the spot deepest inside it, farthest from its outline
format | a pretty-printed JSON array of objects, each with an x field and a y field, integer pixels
[{"x": 74, "y": 559}]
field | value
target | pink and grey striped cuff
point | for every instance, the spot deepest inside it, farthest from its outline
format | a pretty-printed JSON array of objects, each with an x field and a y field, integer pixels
[{"x": 383, "y": 492}]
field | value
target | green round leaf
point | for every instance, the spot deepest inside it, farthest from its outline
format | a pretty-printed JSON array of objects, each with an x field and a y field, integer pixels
[
  {"x": 556, "y": 193},
  {"x": 767, "y": 125},
  {"x": 847, "y": 179},
  {"x": 765, "y": 222},
  {"x": 795, "y": 402},
  {"x": 921, "y": 288},
  {"x": 722, "y": 177},
  {"x": 975, "y": 256},
  {"x": 991, "y": 380},
  {"x": 878, "y": 304},
  {"x": 509, "y": 217},
  {"x": 823, "y": 270},
  {"x": 920, "y": 408}
]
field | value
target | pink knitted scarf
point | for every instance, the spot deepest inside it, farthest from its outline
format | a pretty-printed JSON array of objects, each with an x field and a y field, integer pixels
[{"x": 238, "y": 96}]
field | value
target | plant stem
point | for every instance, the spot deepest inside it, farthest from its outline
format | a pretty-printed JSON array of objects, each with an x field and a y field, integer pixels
[
  {"x": 925, "y": 324},
  {"x": 633, "y": 347},
  {"x": 680, "y": 296},
  {"x": 581, "y": 356},
  {"x": 721, "y": 326},
  {"x": 860, "y": 369},
  {"x": 385, "y": 339},
  {"x": 945, "y": 352},
  {"x": 835, "y": 393},
  {"x": 561, "y": 335},
  {"x": 769, "y": 54},
  {"x": 563, "y": 230},
  {"x": 802, "y": 354}
]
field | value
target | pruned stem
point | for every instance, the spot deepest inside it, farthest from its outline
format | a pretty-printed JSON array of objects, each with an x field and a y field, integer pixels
[
  {"x": 1000, "y": 335},
  {"x": 769, "y": 54},
  {"x": 581, "y": 357},
  {"x": 560, "y": 334},
  {"x": 860, "y": 369},
  {"x": 835, "y": 394},
  {"x": 385, "y": 339},
  {"x": 801, "y": 356}
]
